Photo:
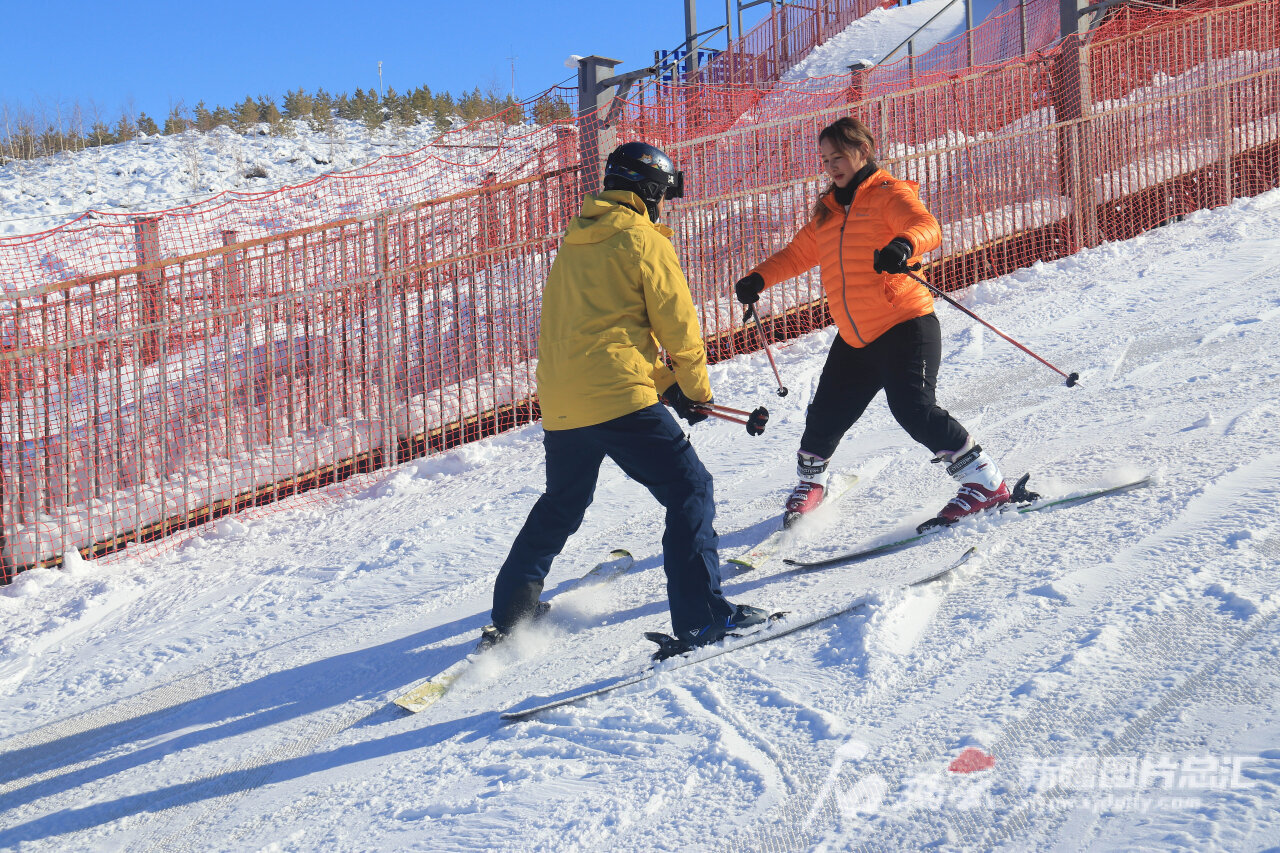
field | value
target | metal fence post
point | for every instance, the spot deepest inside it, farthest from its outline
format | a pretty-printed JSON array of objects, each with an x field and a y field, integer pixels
[
  {"x": 1023, "y": 36},
  {"x": 595, "y": 138},
  {"x": 386, "y": 344},
  {"x": 968, "y": 30},
  {"x": 690, "y": 38}
]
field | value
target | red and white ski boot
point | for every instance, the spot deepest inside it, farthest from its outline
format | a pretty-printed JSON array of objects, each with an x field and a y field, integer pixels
[
  {"x": 982, "y": 487},
  {"x": 809, "y": 492}
]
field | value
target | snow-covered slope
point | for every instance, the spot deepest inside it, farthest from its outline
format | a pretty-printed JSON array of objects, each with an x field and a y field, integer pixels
[
  {"x": 159, "y": 172},
  {"x": 875, "y": 38},
  {"x": 1112, "y": 666}
]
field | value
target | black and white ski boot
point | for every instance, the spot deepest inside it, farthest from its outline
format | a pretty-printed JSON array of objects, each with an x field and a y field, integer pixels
[{"x": 809, "y": 492}]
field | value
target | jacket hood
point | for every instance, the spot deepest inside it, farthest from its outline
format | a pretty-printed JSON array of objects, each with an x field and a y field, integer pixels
[{"x": 606, "y": 213}]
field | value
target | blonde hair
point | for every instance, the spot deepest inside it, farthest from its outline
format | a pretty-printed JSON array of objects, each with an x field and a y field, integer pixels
[{"x": 845, "y": 134}]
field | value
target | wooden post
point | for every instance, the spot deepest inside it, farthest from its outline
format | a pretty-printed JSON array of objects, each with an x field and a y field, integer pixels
[
  {"x": 1072, "y": 108},
  {"x": 1220, "y": 114},
  {"x": 230, "y": 289},
  {"x": 859, "y": 72},
  {"x": 146, "y": 231}
]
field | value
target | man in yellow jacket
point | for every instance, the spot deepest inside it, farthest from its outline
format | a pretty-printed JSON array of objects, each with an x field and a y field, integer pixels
[{"x": 615, "y": 296}]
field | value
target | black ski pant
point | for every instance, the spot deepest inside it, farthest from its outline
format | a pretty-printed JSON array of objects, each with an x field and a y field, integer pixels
[
  {"x": 904, "y": 362},
  {"x": 651, "y": 449}
]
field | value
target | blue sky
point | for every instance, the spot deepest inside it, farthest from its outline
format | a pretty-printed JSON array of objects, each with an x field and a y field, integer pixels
[{"x": 151, "y": 55}]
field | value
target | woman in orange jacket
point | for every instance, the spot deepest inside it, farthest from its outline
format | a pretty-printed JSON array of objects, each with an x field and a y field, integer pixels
[{"x": 865, "y": 232}]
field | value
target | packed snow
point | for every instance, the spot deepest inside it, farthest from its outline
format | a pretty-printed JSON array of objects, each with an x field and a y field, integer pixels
[
  {"x": 880, "y": 36},
  {"x": 1100, "y": 676}
]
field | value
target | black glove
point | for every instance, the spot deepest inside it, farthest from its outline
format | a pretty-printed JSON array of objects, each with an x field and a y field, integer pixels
[
  {"x": 683, "y": 406},
  {"x": 748, "y": 289},
  {"x": 893, "y": 257}
]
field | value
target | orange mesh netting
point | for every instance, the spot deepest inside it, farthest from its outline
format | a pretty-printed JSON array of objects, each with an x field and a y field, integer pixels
[{"x": 161, "y": 371}]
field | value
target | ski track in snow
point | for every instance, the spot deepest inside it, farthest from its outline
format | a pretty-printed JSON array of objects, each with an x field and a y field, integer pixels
[{"x": 233, "y": 694}]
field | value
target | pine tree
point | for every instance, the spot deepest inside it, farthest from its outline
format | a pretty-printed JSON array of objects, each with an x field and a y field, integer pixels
[
  {"x": 298, "y": 105},
  {"x": 560, "y": 109},
  {"x": 100, "y": 134},
  {"x": 204, "y": 119},
  {"x": 423, "y": 102},
  {"x": 247, "y": 114},
  {"x": 223, "y": 117},
  {"x": 471, "y": 105},
  {"x": 268, "y": 112},
  {"x": 444, "y": 110},
  {"x": 125, "y": 129},
  {"x": 512, "y": 110},
  {"x": 147, "y": 125},
  {"x": 176, "y": 122},
  {"x": 542, "y": 110},
  {"x": 370, "y": 111},
  {"x": 346, "y": 107},
  {"x": 322, "y": 106}
]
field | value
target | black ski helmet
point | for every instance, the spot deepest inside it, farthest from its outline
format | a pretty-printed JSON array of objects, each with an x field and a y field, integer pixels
[{"x": 645, "y": 171}]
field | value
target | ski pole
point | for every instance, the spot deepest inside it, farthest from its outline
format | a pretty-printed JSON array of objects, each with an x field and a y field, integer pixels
[
  {"x": 749, "y": 314},
  {"x": 1073, "y": 379},
  {"x": 754, "y": 421}
]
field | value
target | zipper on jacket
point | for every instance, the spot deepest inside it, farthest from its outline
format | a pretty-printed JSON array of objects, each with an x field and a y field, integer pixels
[{"x": 844, "y": 294}]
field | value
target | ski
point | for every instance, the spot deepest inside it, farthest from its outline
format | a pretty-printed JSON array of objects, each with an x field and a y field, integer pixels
[
  {"x": 619, "y": 563},
  {"x": 772, "y": 630},
  {"x": 899, "y": 544},
  {"x": 758, "y": 555},
  {"x": 431, "y": 691}
]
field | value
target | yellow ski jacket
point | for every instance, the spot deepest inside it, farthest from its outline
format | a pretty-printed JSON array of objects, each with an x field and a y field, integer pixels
[{"x": 615, "y": 294}]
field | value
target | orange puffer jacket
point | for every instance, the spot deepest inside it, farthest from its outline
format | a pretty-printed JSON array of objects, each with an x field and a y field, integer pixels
[{"x": 865, "y": 304}]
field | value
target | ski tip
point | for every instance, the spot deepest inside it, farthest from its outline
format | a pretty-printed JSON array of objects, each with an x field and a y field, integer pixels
[
  {"x": 421, "y": 698},
  {"x": 617, "y": 553},
  {"x": 741, "y": 561}
]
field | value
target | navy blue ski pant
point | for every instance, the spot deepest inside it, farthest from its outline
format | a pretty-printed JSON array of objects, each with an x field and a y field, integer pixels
[{"x": 650, "y": 448}]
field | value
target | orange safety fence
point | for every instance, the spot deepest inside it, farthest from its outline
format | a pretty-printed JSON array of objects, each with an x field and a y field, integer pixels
[
  {"x": 766, "y": 51},
  {"x": 667, "y": 113},
  {"x": 1030, "y": 160},
  {"x": 195, "y": 379},
  {"x": 480, "y": 154}
]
